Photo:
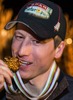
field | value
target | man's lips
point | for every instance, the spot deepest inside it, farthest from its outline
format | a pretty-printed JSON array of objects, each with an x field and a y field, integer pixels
[{"x": 25, "y": 63}]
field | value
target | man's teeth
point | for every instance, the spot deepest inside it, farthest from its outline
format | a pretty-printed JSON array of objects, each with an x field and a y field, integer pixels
[{"x": 25, "y": 63}]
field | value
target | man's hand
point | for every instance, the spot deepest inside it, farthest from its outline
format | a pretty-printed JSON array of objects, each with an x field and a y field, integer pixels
[{"x": 5, "y": 75}]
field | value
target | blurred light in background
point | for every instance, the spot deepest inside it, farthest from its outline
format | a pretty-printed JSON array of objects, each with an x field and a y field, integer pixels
[{"x": 69, "y": 41}]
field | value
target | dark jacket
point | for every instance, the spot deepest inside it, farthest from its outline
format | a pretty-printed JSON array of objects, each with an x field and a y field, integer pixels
[{"x": 64, "y": 90}]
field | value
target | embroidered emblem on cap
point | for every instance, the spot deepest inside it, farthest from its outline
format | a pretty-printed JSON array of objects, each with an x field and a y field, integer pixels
[
  {"x": 39, "y": 10},
  {"x": 57, "y": 26}
]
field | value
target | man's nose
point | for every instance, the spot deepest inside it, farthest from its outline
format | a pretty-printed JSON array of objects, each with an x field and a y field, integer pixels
[{"x": 25, "y": 49}]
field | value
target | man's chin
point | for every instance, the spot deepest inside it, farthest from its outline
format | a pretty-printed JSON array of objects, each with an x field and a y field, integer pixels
[{"x": 24, "y": 75}]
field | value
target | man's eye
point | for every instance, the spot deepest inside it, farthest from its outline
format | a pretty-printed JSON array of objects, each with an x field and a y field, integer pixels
[
  {"x": 36, "y": 41},
  {"x": 18, "y": 37}
]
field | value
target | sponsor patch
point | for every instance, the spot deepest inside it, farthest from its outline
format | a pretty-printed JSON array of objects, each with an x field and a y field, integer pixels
[
  {"x": 39, "y": 10},
  {"x": 57, "y": 26}
]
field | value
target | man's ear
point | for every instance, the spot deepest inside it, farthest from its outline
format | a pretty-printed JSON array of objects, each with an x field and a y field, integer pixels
[{"x": 59, "y": 50}]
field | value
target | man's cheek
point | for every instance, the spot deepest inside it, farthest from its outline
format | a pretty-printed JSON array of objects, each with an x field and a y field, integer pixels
[{"x": 14, "y": 50}]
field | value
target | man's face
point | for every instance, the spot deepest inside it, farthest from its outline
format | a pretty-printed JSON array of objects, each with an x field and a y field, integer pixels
[{"x": 36, "y": 57}]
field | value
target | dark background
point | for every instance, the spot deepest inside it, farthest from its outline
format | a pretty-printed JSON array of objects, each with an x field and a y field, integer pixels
[{"x": 67, "y": 5}]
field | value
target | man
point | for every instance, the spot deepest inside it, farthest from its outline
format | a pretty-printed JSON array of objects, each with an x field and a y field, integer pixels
[{"x": 38, "y": 42}]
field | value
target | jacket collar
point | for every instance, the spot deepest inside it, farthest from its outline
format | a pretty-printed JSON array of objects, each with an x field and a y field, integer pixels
[{"x": 62, "y": 85}]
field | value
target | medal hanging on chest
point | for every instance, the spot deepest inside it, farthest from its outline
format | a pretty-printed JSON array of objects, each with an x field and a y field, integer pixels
[{"x": 47, "y": 90}]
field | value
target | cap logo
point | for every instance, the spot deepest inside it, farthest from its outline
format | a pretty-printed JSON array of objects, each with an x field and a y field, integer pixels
[
  {"x": 57, "y": 26},
  {"x": 39, "y": 10}
]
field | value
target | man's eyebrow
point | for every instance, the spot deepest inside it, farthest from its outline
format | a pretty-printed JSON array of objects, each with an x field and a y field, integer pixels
[{"x": 18, "y": 32}]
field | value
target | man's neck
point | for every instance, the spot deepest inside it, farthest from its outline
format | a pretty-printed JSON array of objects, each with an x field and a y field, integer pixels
[{"x": 40, "y": 81}]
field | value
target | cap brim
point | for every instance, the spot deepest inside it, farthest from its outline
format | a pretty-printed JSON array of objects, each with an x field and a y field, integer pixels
[
  {"x": 38, "y": 30},
  {"x": 10, "y": 25}
]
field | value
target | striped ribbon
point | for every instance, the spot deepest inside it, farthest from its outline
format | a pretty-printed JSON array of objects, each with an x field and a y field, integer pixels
[{"x": 47, "y": 91}]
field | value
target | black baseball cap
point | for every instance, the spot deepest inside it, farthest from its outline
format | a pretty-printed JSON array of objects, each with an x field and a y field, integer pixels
[{"x": 43, "y": 17}]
